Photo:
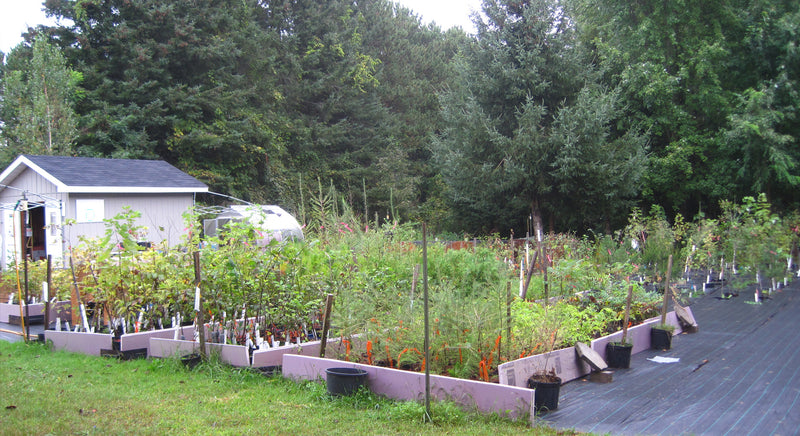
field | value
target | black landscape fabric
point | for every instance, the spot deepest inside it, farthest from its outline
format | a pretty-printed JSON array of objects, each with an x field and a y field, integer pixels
[{"x": 739, "y": 375}]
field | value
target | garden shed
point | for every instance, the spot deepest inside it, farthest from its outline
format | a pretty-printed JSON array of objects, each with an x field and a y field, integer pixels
[{"x": 42, "y": 193}]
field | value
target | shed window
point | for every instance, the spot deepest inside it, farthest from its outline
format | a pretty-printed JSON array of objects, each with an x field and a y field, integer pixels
[{"x": 89, "y": 211}]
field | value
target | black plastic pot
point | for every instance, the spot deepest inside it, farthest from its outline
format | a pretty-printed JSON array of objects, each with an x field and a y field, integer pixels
[
  {"x": 546, "y": 396},
  {"x": 660, "y": 339},
  {"x": 618, "y": 355},
  {"x": 191, "y": 360},
  {"x": 269, "y": 371},
  {"x": 344, "y": 381}
]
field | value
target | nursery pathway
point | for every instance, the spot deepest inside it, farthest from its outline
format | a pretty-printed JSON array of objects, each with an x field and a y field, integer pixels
[
  {"x": 7, "y": 329},
  {"x": 739, "y": 375}
]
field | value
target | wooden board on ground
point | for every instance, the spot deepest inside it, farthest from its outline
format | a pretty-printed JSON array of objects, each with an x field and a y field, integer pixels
[
  {"x": 686, "y": 319},
  {"x": 588, "y": 355}
]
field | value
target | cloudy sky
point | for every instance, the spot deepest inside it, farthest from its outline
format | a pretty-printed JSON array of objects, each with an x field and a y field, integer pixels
[
  {"x": 17, "y": 15},
  {"x": 446, "y": 13}
]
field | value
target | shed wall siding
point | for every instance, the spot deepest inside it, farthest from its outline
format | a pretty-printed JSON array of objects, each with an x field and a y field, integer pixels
[
  {"x": 34, "y": 184},
  {"x": 37, "y": 190},
  {"x": 162, "y": 214}
]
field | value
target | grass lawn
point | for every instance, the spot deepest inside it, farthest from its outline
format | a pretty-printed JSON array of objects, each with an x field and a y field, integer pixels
[{"x": 46, "y": 392}]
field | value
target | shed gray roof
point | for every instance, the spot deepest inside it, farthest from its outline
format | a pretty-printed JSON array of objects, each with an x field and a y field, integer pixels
[{"x": 86, "y": 174}]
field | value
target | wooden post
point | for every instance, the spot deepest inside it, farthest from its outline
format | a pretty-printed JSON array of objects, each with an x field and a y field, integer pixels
[
  {"x": 25, "y": 318},
  {"x": 544, "y": 274},
  {"x": 75, "y": 299},
  {"x": 415, "y": 277},
  {"x": 667, "y": 292},
  {"x": 200, "y": 318},
  {"x": 47, "y": 297},
  {"x": 528, "y": 275},
  {"x": 326, "y": 324},
  {"x": 627, "y": 315},
  {"x": 428, "y": 416}
]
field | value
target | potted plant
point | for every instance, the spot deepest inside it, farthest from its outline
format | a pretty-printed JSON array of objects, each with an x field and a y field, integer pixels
[
  {"x": 545, "y": 382},
  {"x": 618, "y": 354},
  {"x": 661, "y": 333}
]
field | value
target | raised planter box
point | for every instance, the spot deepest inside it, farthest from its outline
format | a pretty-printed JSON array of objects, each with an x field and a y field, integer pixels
[
  {"x": 235, "y": 355},
  {"x": 79, "y": 342},
  {"x": 60, "y": 308},
  {"x": 135, "y": 341},
  {"x": 274, "y": 356},
  {"x": 93, "y": 343},
  {"x": 565, "y": 362},
  {"x": 511, "y": 401}
]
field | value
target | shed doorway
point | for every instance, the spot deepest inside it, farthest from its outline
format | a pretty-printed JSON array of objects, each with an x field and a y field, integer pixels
[{"x": 34, "y": 237}]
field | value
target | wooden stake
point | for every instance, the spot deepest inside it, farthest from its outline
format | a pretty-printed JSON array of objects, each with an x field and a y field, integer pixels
[
  {"x": 200, "y": 315},
  {"x": 627, "y": 315},
  {"x": 49, "y": 284},
  {"x": 428, "y": 416},
  {"x": 544, "y": 273},
  {"x": 414, "y": 279},
  {"x": 326, "y": 323},
  {"x": 508, "y": 319},
  {"x": 667, "y": 292},
  {"x": 75, "y": 302},
  {"x": 528, "y": 276},
  {"x": 25, "y": 319}
]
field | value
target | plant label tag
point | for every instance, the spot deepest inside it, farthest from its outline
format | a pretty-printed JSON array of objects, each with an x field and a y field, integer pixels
[{"x": 197, "y": 299}]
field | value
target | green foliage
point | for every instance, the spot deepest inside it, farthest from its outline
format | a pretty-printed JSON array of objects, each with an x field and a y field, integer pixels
[
  {"x": 539, "y": 328},
  {"x": 39, "y": 91},
  {"x": 222, "y": 398},
  {"x": 528, "y": 131},
  {"x": 12, "y": 281},
  {"x": 756, "y": 238}
]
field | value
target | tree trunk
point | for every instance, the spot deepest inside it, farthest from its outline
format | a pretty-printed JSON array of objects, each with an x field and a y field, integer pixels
[{"x": 536, "y": 218}]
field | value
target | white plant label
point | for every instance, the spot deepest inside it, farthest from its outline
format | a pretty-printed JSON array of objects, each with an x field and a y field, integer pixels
[{"x": 197, "y": 299}]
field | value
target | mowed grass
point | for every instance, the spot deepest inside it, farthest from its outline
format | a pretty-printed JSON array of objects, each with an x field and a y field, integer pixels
[{"x": 47, "y": 392}]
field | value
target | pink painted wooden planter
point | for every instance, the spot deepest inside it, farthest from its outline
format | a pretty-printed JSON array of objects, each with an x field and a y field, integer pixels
[
  {"x": 274, "y": 356},
  {"x": 60, "y": 308},
  {"x": 510, "y": 401},
  {"x": 235, "y": 355},
  {"x": 137, "y": 341},
  {"x": 565, "y": 362},
  {"x": 79, "y": 342},
  {"x": 92, "y": 343}
]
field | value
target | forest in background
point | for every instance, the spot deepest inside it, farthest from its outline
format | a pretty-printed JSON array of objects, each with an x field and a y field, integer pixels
[{"x": 557, "y": 115}]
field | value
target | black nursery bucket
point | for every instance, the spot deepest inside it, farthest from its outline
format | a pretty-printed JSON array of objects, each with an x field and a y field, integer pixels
[
  {"x": 545, "y": 398},
  {"x": 344, "y": 381}
]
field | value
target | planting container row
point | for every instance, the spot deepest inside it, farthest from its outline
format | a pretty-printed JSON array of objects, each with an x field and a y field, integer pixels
[
  {"x": 565, "y": 362},
  {"x": 60, "y": 308}
]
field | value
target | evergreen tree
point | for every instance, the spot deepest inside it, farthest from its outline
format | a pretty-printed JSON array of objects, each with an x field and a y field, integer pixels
[
  {"x": 176, "y": 81},
  {"x": 528, "y": 133}
]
